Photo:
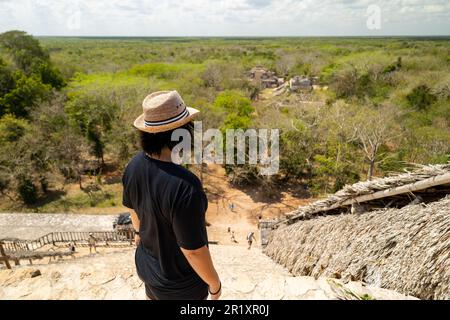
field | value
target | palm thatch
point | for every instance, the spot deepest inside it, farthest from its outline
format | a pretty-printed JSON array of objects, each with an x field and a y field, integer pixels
[
  {"x": 356, "y": 192},
  {"x": 407, "y": 249}
]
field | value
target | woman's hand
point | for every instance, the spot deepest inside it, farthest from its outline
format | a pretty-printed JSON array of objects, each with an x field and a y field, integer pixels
[
  {"x": 217, "y": 290},
  {"x": 216, "y": 296},
  {"x": 200, "y": 260},
  {"x": 137, "y": 239}
]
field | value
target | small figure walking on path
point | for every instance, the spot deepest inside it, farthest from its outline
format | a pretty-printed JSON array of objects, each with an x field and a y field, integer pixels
[
  {"x": 233, "y": 239},
  {"x": 259, "y": 221},
  {"x": 92, "y": 241},
  {"x": 72, "y": 247},
  {"x": 72, "y": 250},
  {"x": 231, "y": 206},
  {"x": 250, "y": 238}
]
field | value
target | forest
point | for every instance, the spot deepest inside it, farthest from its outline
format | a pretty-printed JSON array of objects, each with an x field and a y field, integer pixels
[{"x": 378, "y": 105}]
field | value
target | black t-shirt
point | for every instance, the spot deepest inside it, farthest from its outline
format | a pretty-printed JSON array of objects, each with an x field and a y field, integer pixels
[{"x": 171, "y": 204}]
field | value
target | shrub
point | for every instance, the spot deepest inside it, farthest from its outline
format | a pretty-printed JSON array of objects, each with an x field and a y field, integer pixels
[
  {"x": 27, "y": 190},
  {"x": 11, "y": 128},
  {"x": 7, "y": 82},
  {"x": 420, "y": 97}
]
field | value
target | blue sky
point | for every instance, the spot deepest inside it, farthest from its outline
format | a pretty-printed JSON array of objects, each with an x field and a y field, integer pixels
[{"x": 226, "y": 18}]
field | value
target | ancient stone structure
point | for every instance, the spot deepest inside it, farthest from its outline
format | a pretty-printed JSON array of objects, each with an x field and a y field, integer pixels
[
  {"x": 300, "y": 83},
  {"x": 264, "y": 78}
]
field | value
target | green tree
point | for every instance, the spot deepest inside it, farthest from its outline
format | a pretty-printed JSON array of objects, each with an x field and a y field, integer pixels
[
  {"x": 33, "y": 153},
  {"x": 24, "y": 49},
  {"x": 28, "y": 92},
  {"x": 238, "y": 111},
  {"x": 50, "y": 75},
  {"x": 31, "y": 58},
  {"x": 31, "y": 77},
  {"x": 296, "y": 148},
  {"x": 94, "y": 115},
  {"x": 63, "y": 145},
  {"x": 237, "y": 107},
  {"x": 7, "y": 82}
]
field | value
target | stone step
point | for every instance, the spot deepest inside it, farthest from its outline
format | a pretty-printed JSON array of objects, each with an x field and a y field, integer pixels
[{"x": 245, "y": 274}]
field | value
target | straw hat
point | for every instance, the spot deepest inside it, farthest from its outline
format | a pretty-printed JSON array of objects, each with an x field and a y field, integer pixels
[{"x": 164, "y": 111}]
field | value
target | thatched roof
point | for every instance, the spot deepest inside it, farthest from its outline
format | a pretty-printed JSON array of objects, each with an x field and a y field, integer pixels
[
  {"x": 407, "y": 249},
  {"x": 423, "y": 177}
]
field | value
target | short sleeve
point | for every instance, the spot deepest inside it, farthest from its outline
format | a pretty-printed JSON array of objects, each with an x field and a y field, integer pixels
[
  {"x": 189, "y": 223},
  {"x": 126, "y": 201}
]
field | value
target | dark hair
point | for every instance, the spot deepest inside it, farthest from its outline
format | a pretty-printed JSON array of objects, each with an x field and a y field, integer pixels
[{"x": 153, "y": 143}]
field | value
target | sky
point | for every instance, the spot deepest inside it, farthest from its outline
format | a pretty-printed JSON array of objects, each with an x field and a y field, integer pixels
[{"x": 226, "y": 18}]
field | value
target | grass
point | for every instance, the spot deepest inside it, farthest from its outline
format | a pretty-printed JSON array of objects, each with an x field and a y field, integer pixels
[
  {"x": 83, "y": 200},
  {"x": 164, "y": 70},
  {"x": 73, "y": 200}
]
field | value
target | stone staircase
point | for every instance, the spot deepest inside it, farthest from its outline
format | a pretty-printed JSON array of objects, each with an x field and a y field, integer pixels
[
  {"x": 245, "y": 274},
  {"x": 249, "y": 274}
]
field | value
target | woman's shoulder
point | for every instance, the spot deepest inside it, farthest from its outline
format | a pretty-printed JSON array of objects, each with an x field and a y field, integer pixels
[
  {"x": 189, "y": 179},
  {"x": 137, "y": 159},
  {"x": 134, "y": 164}
]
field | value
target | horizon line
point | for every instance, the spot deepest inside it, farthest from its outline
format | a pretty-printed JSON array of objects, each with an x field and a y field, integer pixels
[{"x": 245, "y": 36}]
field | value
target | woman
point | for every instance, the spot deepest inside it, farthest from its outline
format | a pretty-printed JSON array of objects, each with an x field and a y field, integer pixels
[{"x": 168, "y": 208}]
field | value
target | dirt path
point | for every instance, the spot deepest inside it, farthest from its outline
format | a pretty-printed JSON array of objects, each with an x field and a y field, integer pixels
[{"x": 249, "y": 204}]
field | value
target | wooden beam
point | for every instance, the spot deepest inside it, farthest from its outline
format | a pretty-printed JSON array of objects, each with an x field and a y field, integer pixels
[
  {"x": 419, "y": 185},
  {"x": 412, "y": 187}
]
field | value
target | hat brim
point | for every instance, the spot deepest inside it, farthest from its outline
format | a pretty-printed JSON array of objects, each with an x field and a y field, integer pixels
[{"x": 139, "y": 123}]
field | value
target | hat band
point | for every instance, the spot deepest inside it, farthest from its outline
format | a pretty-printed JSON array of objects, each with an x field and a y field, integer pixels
[{"x": 182, "y": 115}]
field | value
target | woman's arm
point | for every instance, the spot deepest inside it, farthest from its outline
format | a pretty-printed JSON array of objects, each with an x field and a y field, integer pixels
[
  {"x": 136, "y": 225},
  {"x": 201, "y": 261}
]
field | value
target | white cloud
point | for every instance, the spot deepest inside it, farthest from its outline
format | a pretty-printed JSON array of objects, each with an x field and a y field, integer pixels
[{"x": 222, "y": 17}]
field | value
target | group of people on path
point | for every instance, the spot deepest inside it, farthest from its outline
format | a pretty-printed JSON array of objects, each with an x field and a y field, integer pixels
[
  {"x": 250, "y": 237},
  {"x": 92, "y": 243}
]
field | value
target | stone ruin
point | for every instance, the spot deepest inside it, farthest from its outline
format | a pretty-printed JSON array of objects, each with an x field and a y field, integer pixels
[
  {"x": 300, "y": 83},
  {"x": 265, "y": 78}
]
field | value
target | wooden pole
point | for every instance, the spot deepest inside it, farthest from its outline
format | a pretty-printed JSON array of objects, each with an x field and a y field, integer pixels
[{"x": 4, "y": 256}]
